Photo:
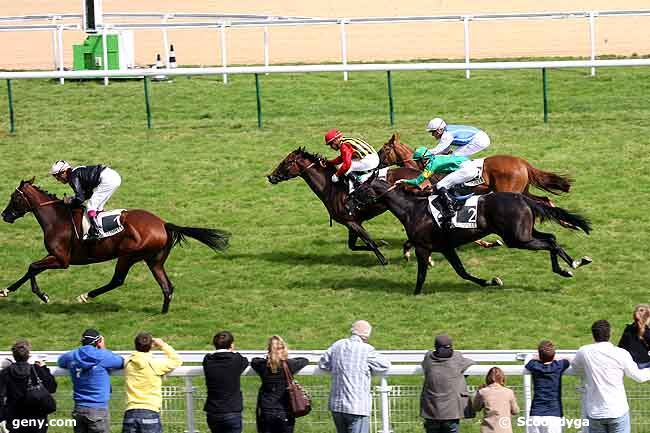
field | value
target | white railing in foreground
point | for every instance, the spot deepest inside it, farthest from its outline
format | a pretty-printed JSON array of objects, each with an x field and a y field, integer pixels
[{"x": 405, "y": 363}]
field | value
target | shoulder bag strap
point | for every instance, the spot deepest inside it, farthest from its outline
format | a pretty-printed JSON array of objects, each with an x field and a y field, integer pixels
[
  {"x": 29, "y": 379},
  {"x": 287, "y": 372}
]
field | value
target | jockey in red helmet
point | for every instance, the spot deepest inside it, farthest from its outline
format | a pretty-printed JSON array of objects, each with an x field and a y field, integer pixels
[{"x": 356, "y": 156}]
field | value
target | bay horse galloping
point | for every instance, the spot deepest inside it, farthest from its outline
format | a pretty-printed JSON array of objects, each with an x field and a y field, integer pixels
[
  {"x": 509, "y": 215},
  {"x": 317, "y": 172},
  {"x": 145, "y": 237},
  {"x": 502, "y": 173}
]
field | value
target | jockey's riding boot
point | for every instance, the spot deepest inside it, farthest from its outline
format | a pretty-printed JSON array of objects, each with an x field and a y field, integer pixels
[
  {"x": 93, "y": 233},
  {"x": 447, "y": 205}
]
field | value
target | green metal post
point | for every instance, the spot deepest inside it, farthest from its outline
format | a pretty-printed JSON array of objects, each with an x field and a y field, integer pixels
[
  {"x": 544, "y": 85},
  {"x": 391, "y": 106},
  {"x": 259, "y": 101},
  {"x": 147, "y": 103},
  {"x": 12, "y": 120}
]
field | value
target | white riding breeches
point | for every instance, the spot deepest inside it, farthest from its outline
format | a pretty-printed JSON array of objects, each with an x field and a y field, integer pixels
[
  {"x": 109, "y": 181},
  {"x": 467, "y": 171},
  {"x": 369, "y": 162},
  {"x": 480, "y": 141}
]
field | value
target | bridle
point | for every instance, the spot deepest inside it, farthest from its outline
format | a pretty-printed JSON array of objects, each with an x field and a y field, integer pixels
[{"x": 29, "y": 205}]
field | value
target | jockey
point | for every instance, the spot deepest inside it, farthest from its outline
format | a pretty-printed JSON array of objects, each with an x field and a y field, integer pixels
[
  {"x": 468, "y": 139},
  {"x": 356, "y": 156},
  {"x": 95, "y": 183},
  {"x": 458, "y": 170}
]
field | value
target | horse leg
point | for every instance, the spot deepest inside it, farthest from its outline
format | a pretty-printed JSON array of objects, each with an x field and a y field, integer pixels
[
  {"x": 359, "y": 231},
  {"x": 49, "y": 262},
  {"x": 424, "y": 257},
  {"x": 157, "y": 268},
  {"x": 487, "y": 244},
  {"x": 559, "y": 251},
  {"x": 122, "y": 268},
  {"x": 454, "y": 260}
]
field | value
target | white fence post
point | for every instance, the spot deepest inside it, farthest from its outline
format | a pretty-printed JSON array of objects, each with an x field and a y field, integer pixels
[
  {"x": 105, "y": 53},
  {"x": 224, "y": 54},
  {"x": 466, "y": 27},
  {"x": 189, "y": 405},
  {"x": 528, "y": 392},
  {"x": 384, "y": 390},
  {"x": 344, "y": 49},
  {"x": 166, "y": 40},
  {"x": 592, "y": 37},
  {"x": 55, "y": 43},
  {"x": 266, "y": 46},
  {"x": 59, "y": 31}
]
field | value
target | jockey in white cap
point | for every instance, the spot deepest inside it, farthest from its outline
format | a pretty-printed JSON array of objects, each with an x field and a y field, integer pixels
[
  {"x": 94, "y": 184},
  {"x": 469, "y": 140}
]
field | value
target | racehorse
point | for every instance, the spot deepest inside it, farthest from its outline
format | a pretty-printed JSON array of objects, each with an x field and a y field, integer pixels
[
  {"x": 145, "y": 237},
  {"x": 317, "y": 172},
  {"x": 509, "y": 215},
  {"x": 503, "y": 173}
]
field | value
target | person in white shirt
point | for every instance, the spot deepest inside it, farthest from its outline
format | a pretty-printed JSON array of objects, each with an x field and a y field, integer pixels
[{"x": 603, "y": 368}]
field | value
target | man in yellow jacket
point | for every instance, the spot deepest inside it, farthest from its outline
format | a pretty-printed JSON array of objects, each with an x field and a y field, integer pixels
[{"x": 143, "y": 376}]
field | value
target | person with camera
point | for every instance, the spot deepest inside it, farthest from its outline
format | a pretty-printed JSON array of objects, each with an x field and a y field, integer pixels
[
  {"x": 24, "y": 392},
  {"x": 90, "y": 367}
]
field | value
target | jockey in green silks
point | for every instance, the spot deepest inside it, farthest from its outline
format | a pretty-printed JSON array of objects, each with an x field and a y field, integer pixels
[{"x": 458, "y": 170}]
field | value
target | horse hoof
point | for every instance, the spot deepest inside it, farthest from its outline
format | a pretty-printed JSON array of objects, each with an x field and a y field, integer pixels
[
  {"x": 496, "y": 281},
  {"x": 431, "y": 262},
  {"x": 585, "y": 260},
  {"x": 407, "y": 256},
  {"x": 83, "y": 298},
  {"x": 567, "y": 274},
  {"x": 382, "y": 242},
  {"x": 45, "y": 298},
  {"x": 4, "y": 293},
  {"x": 498, "y": 243}
]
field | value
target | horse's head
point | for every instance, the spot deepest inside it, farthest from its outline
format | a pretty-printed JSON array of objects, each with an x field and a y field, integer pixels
[
  {"x": 387, "y": 154},
  {"x": 294, "y": 164},
  {"x": 366, "y": 194},
  {"x": 18, "y": 204}
]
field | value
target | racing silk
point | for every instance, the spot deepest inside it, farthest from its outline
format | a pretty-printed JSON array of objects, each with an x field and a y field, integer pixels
[
  {"x": 443, "y": 164},
  {"x": 458, "y": 135},
  {"x": 83, "y": 180},
  {"x": 351, "y": 148}
]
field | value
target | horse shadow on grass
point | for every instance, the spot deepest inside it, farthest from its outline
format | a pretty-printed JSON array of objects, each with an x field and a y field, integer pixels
[
  {"x": 295, "y": 258},
  {"x": 96, "y": 307}
]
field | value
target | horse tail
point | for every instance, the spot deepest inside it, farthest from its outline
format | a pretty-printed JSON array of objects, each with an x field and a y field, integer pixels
[
  {"x": 213, "y": 238},
  {"x": 548, "y": 181},
  {"x": 557, "y": 214}
]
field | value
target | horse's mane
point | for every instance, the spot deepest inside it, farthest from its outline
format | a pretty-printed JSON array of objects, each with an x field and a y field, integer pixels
[
  {"x": 49, "y": 194},
  {"x": 313, "y": 157}
]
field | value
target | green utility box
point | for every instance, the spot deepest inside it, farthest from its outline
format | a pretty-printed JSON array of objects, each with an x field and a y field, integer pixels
[{"x": 90, "y": 55}]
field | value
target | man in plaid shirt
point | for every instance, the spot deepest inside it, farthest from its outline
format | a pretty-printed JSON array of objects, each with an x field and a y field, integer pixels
[{"x": 351, "y": 362}]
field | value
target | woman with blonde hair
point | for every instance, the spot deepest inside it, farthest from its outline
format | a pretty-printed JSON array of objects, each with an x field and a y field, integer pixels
[
  {"x": 273, "y": 415},
  {"x": 497, "y": 401},
  {"x": 636, "y": 337}
]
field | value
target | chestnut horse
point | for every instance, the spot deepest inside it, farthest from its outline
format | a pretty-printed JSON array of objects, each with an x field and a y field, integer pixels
[
  {"x": 145, "y": 237},
  {"x": 502, "y": 173},
  {"x": 317, "y": 172}
]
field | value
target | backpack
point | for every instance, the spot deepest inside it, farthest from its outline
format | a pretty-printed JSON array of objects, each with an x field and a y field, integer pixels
[{"x": 37, "y": 397}]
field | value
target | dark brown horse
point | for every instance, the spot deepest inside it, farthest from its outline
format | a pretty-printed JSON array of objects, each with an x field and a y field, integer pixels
[
  {"x": 145, "y": 237},
  {"x": 502, "y": 173},
  {"x": 509, "y": 215},
  {"x": 317, "y": 172}
]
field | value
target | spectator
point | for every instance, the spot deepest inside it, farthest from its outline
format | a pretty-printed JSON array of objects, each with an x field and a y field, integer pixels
[
  {"x": 636, "y": 337},
  {"x": 223, "y": 370},
  {"x": 603, "y": 367},
  {"x": 89, "y": 368},
  {"x": 351, "y": 362},
  {"x": 546, "y": 411},
  {"x": 273, "y": 415},
  {"x": 497, "y": 401},
  {"x": 445, "y": 398},
  {"x": 13, "y": 386},
  {"x": 143, "y": 376}
]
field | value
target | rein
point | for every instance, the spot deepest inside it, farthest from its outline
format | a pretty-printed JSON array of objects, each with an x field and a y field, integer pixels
[{"x": 45, "y": 203}]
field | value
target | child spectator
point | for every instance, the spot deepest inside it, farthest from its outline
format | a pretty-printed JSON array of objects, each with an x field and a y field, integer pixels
[
  {"x": 497, "y": 401},
  {"x": 546, "y": 410}
]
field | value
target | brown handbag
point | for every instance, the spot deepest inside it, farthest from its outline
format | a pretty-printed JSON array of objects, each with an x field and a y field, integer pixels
[{"x": 299, "y": 400}]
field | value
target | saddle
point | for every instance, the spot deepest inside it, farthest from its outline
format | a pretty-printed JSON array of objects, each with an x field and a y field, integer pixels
[
  {"x": 110, "y": 223},
  {"x": 357, "y": 178},
  {"x": 466, "y": 208}
]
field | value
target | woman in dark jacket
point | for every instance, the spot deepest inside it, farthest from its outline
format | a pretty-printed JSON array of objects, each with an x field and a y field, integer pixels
[
  {"x": 273, "y": 399},
  {"x": 636, "y": 337},
  {"x": 13, "y": 386}
]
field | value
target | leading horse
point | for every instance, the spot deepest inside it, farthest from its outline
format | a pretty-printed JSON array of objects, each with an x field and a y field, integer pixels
[
  {"x": 509, "y": 215},
  {"x": 317, "y": 172},
  {"x": 145, "y": 237},
  {"x": 502, "y": 173}
]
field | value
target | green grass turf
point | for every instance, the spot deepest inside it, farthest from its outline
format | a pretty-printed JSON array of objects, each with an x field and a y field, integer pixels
[{"x": 204, "y": 164}]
